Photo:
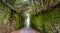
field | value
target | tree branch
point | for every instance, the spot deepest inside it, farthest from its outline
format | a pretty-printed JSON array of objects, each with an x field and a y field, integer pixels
[
  {"x": 46, "y": 8},
  {"x": 10, "y": 6}
]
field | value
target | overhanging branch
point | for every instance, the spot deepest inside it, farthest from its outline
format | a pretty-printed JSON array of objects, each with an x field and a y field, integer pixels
[
  {"x": 46, "y": 8},
  {"x": 10, "y": 6}
]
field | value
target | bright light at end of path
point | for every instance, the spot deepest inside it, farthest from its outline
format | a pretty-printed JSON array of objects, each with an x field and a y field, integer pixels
[{"x": 24, "y": 0}]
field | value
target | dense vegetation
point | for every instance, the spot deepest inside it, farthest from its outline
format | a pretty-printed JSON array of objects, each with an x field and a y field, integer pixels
[{"x": 45, "y": 15}]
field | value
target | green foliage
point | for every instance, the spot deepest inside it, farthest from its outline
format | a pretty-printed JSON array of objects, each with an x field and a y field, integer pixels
[
  {"x": 52, "y": 15},
  {"x": 4, "y": 12},
  {"x": 50, "y": 20},
  {"x": 17, "y": 21},
  {"x": 38, "y": 21}
]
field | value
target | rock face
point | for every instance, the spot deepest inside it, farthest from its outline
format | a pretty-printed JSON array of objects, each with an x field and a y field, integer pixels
[{"x": 25, "y": 30}]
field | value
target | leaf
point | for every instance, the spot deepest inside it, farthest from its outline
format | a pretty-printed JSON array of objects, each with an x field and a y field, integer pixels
[{"x": 17, "y": 19}]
